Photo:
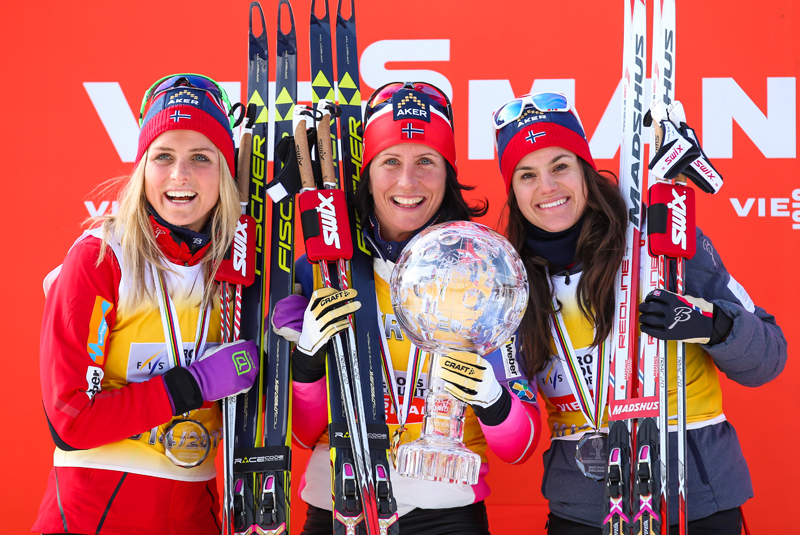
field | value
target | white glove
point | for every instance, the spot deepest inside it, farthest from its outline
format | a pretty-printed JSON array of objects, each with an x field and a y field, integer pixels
[
  {"x": 470, "y": 378},
  {"x": 325, "y": 316}
]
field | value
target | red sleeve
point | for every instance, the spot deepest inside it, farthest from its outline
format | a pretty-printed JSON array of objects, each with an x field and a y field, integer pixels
[
  {"x": 79, "y": 315},
  {"x": 516, "y": 438}
]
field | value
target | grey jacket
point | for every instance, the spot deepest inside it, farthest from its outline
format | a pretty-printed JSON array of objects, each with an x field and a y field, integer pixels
[{"x": 753, "y": 354}]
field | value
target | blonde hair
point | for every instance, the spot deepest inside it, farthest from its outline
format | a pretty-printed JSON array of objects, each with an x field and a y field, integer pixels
[{"x": 131, "y": 225}]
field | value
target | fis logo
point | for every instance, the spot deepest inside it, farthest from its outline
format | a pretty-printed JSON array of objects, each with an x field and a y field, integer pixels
[
  {"x": 94, "y": 380},
  {"x": 678, "y": 210},
  {"x": 98, "y": 330},
  {"x": 240, "y": 248},
  {"x": 327, "y": 215}
]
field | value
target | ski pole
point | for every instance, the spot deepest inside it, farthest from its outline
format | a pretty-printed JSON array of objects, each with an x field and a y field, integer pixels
[{"x": 330, "y": 216}]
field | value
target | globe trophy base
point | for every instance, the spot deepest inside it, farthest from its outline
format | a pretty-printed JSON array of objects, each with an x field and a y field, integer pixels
[{"x": 439, "y": 459}]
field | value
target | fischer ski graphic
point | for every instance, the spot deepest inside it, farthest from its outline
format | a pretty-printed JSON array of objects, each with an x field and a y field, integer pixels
[
  {"x": 273, "y": 486},
  {"x": 348, "y": 505},
  {"x": 245, "y": 476}
]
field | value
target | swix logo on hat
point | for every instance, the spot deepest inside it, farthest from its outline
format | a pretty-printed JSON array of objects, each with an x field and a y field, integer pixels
[{"x": 408, "y": 104}]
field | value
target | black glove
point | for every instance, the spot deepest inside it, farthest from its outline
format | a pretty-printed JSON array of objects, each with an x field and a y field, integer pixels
[{"x": 668, "y": 316}]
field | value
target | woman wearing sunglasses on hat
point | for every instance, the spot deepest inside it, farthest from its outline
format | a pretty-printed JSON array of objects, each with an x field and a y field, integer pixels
[
  {"x": 568, "y": 220},
  {"x": 129, "y": 368},
  {"x": 408, "y": 182}
]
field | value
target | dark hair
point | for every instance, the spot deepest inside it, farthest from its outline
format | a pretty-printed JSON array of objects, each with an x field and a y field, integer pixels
[
  {"x": 454, "y": 207},
  {"x": 600, "y": 248}
]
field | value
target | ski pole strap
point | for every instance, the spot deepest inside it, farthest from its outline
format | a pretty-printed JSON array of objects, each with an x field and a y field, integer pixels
[
  {"x": 256, "y": 460},
  {"x": 377, "y": 436},
  {"x": 592, "y": 404},
  {"x": 172, "y": 328}
]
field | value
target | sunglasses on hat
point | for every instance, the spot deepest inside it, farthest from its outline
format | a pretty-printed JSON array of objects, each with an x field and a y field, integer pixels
[
  {"x": 384, "y": 93},
  {"x": 543, "y": 102},
  {"x": 195, "y": 81}
]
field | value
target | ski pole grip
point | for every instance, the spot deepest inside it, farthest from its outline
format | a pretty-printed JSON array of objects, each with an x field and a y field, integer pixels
[
  {"x": 303, "y": 155},
  {"x": 243, "y": 166},
  {"x": 325, "y": 150}
]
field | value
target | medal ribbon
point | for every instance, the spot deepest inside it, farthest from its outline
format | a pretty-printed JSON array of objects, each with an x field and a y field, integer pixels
[
  {"x": 416, "y": 357},
  {"x": 592, "y": 407},
  {"x": 172, "y": 328}
]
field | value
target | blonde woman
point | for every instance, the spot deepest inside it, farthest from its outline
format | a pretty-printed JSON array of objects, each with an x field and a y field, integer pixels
[{"x": 128, "y": 377}]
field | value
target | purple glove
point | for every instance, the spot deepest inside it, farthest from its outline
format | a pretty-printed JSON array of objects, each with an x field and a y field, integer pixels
[
  {"x": 226, "y": 370},
  {"x": 287, "y": 317}
]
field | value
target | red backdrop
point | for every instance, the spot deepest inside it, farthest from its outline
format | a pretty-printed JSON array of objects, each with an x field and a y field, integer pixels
[{"x": 73, "y": 76}]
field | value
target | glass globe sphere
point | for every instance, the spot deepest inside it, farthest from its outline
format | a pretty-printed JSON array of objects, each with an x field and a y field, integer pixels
[{"x": 459, "y": 286}]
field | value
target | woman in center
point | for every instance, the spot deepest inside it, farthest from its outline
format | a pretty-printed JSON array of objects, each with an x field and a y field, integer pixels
[{"x": 408, "y": 183}]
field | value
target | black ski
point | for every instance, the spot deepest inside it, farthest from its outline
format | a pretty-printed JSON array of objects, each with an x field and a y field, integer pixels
[
  {"x": 249, "y": 437},
  {"x": 367, "y": 321},
  {"x": 273, "y": 493}
]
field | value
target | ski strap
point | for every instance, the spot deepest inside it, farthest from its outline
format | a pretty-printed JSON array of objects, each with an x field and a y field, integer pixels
[
  {"x": 592, "y": 405},
  {"x": 172, "y": 328}
]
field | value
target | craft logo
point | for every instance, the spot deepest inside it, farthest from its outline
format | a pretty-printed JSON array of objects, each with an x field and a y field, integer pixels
[
  {"x": 458, "y": 367},
  {"x": 411, "y": 104},
  {"x": 94, "y": 380},
  {"x": 510, "y": 359},
  {"x": 331, "y": 299},
  {"x": 240, "y": 248},
  {"x": 678, "y": 210},
  {"x": 327, "y": 216},
  {"x": 98, "y": 330}
]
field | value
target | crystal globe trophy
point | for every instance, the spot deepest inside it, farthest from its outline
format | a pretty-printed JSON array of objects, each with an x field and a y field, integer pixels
[{"x": 457, "y": 286}]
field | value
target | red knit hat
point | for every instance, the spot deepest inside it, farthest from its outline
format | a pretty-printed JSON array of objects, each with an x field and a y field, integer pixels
[
  {"x": 410, "y": 117},
  {"x": 535, "y": 130},
  {"x": 188, "y": 108}
]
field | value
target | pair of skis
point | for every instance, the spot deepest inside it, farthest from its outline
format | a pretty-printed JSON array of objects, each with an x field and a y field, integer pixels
[
  {"x": 359, "y": 438},
  {"x": 258, "y": 458},
  {"x": 637, "y": 484},
  {"x": 638, "y": 470},
  {"x": 257, "y": 424}
]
